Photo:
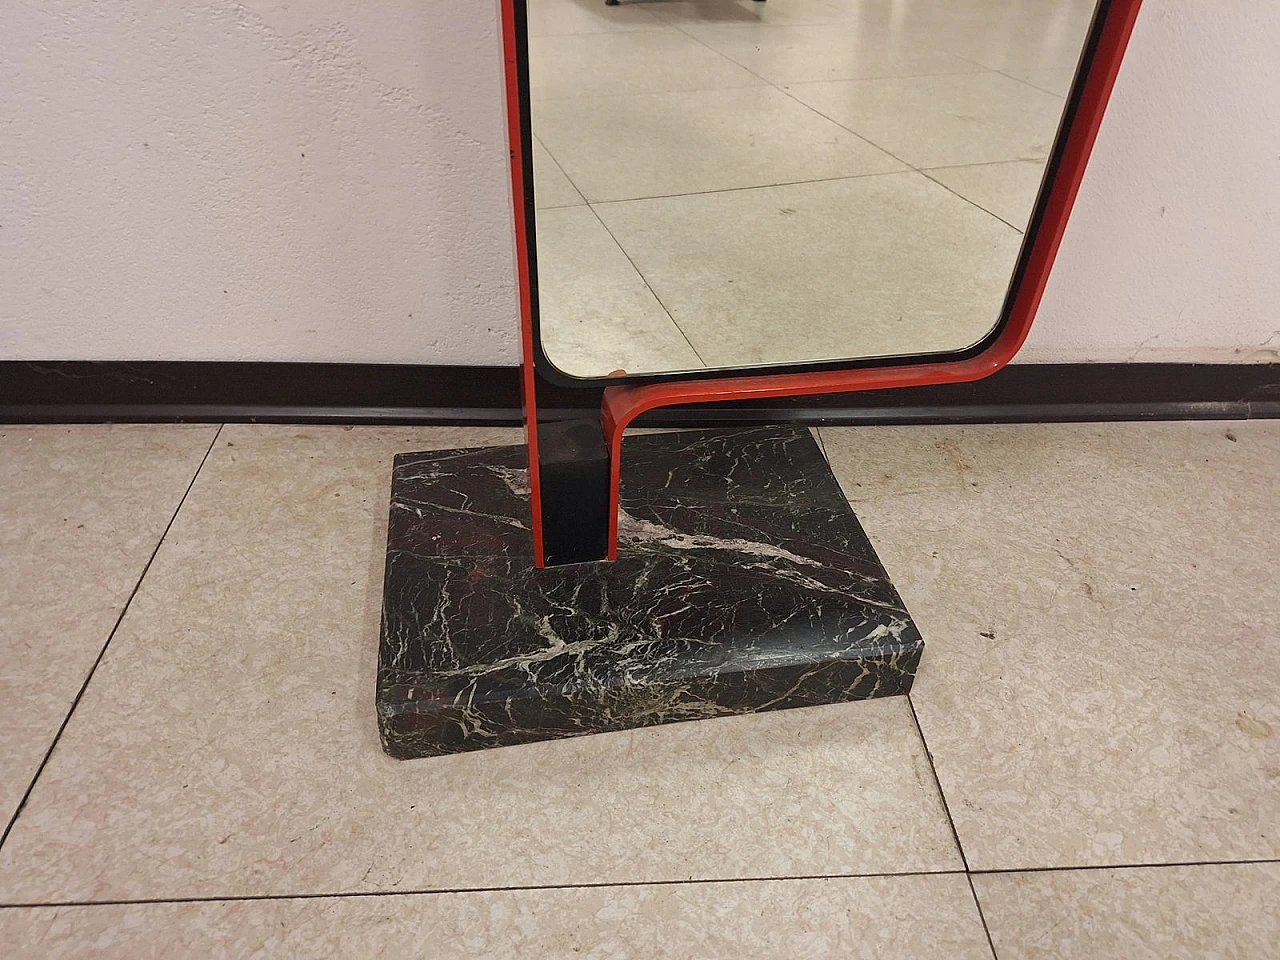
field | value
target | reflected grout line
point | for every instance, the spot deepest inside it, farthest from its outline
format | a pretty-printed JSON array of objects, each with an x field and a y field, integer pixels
[
  {"x": 514, "y": 888},
  {"x": 984, "y": 163},
  {"x": 753, "y": 186},
  {"x": 647, "y": 285},
  {"x": 822, "y": 444},
  {"x": 628, "y": 884},
  {"x": 946, "y": 808},
  {"x": 26, "y": 796}
]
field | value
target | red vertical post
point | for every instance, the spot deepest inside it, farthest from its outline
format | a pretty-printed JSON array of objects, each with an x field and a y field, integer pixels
[{"x": 519, "y": 208}]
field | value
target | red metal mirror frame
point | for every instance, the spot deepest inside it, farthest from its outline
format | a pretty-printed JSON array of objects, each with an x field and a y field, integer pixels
[{"x": 1100, "y": 64}]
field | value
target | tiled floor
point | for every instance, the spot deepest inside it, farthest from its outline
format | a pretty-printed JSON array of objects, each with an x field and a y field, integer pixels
[
  {"x": 1087, "y": 767},
  {"x": 790, "y": 180}
]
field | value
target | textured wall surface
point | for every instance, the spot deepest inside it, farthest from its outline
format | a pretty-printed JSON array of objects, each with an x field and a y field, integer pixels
[
  {"x": 203, "y": 179},
  {"x": 1173, "y": 251},
  {"x": 326, "y": 180}
]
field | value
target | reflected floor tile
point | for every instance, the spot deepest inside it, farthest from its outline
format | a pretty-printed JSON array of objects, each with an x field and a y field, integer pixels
[
  {"x": 1007, "y": 190},
  {"x": 596, "y": 313},
  {"x": 1051, "y": 81},
  {"x": 228, "y": 744},
  {"x": 922, "y": 917},
  {"x": 942, "y": 121},
  {"x": 83, "y": 508},
  {"x": 616, "y": 64},
  {"x": 548, "y": 18},
  {"x": 619, "y": 148},
  {"x": 1101, "y": 682},
  {"x": 831, "y": 51},
  {"x": 1002, "y": 42},
  {"x": 684, "y": 13},
  {"x": 551, "y": 188},
  {"x": 1155, "y": 913},
  {"x": 819, "y": 270},
  {"x": 1046, "y": 35}
]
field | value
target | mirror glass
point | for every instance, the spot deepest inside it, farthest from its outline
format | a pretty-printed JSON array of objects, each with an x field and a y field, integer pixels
[{"x": 732, "y": 183}]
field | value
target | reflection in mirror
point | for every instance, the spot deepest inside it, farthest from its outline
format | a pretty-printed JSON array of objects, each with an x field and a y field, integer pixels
[{"x": 727, "y": 183}]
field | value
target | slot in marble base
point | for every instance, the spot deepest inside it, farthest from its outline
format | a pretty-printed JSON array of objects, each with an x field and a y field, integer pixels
[{"x": 743, "y": 583}]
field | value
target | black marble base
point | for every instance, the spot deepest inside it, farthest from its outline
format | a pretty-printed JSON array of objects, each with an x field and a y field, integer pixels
[{"x": 743, "y": 583}]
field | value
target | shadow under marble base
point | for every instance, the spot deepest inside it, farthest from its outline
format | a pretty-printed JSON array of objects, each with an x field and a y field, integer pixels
[{"x": 743, "y": 583}]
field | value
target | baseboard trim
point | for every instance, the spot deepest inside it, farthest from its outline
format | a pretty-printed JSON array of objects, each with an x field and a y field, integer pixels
[{"x": 203, "y": 392}]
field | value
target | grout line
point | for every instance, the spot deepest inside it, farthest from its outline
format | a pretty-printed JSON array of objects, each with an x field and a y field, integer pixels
[
  {"x": 783, "y": 90},
  {"x": 919, "y": 170},
  {"x": 1021, "y": 231},
  {"x": 26, "y": 796},
  {"x": 946, "y": 808},
  {"x": 522, "y": 888},
  {"x": 564, "y": 173},
  {"x": 642, "y": 277},
  {"x": 515, "y": 888},
  {"x": 596, "y": 97},
  {"x": 1035, "y": 86},
  {"x": 984, "y": 163},
  {"x": 983, "y": 917}
]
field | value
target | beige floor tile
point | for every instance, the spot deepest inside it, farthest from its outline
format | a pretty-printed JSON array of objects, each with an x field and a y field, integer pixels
[
  {"x": 1101, "y": 681},
  {"x": 1051, "y": 81},
  {"x": 596, "y": 313},
  {"x": 1008, "y": 190},
  {"x": 659, "y": 145},
  {"x": 942, "y": 121},
  {"x": 551, "y": 188},
  {"x": 83, "y": 509},
  {"x": 827, "y": 51},
  {"x": 819, "y": 270},
  {"x": 698, "y": 12},
  {"x": 616, "y": 64},
  {"x": 228, "y": 744},
  {"x": 549, "y": 18},
  {"x": 1206, "y": 912},
  {"x": 921, "y": 917}
]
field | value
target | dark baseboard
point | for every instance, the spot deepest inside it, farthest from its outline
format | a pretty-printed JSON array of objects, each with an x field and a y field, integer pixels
[{"x": 168, "y": 392}]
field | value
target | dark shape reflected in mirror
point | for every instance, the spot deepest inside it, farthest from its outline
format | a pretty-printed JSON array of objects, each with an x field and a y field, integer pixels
[{"x": 733, "y": 184}]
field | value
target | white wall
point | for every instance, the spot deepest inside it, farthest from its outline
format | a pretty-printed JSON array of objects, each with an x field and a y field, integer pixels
[
  {"x": 1173, "y": 250},
  {"x": 262, "y": 180},
  {"x": 156, "y": 203}
]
